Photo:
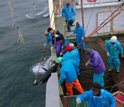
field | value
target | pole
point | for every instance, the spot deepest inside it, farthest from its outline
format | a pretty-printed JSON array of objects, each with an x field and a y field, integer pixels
[
  {"x": 82, "y": 13},
  {"x": 96, "y": 30}
]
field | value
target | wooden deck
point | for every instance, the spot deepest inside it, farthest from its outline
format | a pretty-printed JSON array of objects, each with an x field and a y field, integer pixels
[{"x": 111, "y": 79}]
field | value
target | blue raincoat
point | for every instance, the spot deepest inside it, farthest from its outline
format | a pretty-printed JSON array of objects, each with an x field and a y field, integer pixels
[
  {"x": 96, "y": 62},
  {"x": 67, "y": 72},
  {"x": 79, "y": 35},
  {"x": 68, "y": 13},
  {"x": 49, "y": 38},
  {"x": 105, "y": 99},
  {"x": 98, "y": 67},
  {"x": 74, "y": 57},
  {"x": 114, "y": 50}
]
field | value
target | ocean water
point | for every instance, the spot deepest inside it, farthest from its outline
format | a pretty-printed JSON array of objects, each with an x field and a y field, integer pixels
[{"x": 16, "y": 59}]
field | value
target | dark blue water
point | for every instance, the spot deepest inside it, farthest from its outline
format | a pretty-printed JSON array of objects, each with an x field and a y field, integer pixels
[{"x": 16, "y": 60}]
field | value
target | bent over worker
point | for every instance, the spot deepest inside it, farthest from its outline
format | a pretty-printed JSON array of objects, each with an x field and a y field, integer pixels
[
  {"x": 113, "y": 49},
  {"x": 97, "y": 97},
  {"x": 68, "y": 12},
  {"x": 79, "y": 31},
  {"x": 68, "y": 73},
  {"x": 98, "y": 66},
  {"x": 50, "y": 37}
]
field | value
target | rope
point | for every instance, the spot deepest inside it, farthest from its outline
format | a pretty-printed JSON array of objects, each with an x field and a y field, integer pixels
[
  {"x": 99, "y": 27},
  {"x": 20, "y": 36},
  {"x": 47, "y": 48}
]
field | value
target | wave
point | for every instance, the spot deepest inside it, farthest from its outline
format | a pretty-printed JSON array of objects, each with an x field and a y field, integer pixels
[
  {"x": 34, "y": 15},
  {"x": 46, "y": 14}
]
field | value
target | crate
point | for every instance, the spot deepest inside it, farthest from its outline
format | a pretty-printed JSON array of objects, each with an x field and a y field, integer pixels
[{"x": 119, "y": 103}]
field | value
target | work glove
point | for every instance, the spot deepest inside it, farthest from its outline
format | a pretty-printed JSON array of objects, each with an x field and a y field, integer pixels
[
  {"x": 82, "y": 38},
  {"x": 44, "y": 44},
  {"x": 56, "y": 35},
  {"x": 87, "y": 63},
  {"x": 122, "y": 56},
  {"x": 60, "y": 53},
  {"x": 51, "y": 48},
  {"x": 78, "y": 100},
  {"x": 108, "y": 54}
]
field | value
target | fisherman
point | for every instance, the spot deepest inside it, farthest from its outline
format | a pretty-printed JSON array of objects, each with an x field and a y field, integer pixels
[
  {"x": 77, "y": 55},
  {"x": 65, "y": 44},
  {"x": 50, "y": 37},
  {"x": 72, "y": 55},
  {"x": 113, "y": 49},
  {"x": 59, "y": 43},
  {"x": 68, "y": 12},
  {"x": 79, "y": 31},
  {"x": 68, "y": 73},
  {"x": 98, "y": 66},
  {"x": 58, "y": 39},
  {"x": 97, "y": 97}
]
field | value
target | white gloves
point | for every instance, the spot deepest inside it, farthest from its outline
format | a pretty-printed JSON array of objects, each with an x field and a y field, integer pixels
[
  {"x": 82, "y": 38},
  {"x": 78, "y": 100},
  {"x": 87, "y": 62},
  {"x": 108, "y": 54},
  {"x": 44, "y": 44},
  {"x": 51, "y": 48},
  {"x": 56, "y": 35},
  {"x": 60, "y": 53}
]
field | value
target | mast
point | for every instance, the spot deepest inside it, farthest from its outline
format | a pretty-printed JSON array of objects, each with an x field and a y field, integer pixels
[{"x": 82, "y": 13}]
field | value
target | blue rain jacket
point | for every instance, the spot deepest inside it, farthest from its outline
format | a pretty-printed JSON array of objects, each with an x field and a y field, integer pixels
[
  {"x": 114, "y": 49},
  {"x": 74, "y": 57},
  {"x": 79, "y": 32},
  {"x": 49, "y": 38},
  {"x": 105, "y": 99},
  {"x": 68, "y": 13},
  {"x": 96, "y": 62},
  {"x": 67, "y": 72}
]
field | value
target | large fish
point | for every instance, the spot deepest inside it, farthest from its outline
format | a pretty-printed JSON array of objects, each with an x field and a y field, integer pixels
[{"x": 47, "y": 75}]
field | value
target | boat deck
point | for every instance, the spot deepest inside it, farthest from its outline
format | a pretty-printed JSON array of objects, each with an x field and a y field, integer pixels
[{"x": 111, "y": 79}]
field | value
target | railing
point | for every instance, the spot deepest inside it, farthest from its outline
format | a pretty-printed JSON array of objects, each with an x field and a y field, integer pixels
[{"x": 85, "y": 2}]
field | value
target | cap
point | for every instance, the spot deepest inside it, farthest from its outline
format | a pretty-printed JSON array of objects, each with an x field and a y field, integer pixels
[
  {"x": 77, "y": 24},
  {"x": 113, "y": 39},
  {"x": 68, "y": 48},
  {"x": 68, "y": 4},
  {"x": 59, "y": 60},
  {"x": 96, "y": 87}
]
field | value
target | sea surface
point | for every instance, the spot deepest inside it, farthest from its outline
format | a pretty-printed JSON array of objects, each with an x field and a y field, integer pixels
[{"x": 16, "y": 59}]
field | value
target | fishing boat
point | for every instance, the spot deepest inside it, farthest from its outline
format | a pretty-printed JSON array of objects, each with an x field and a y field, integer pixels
[{"x": 101, "y": 19}]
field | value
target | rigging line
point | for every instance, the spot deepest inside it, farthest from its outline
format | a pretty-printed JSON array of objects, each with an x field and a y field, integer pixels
[
  {"x": 35, "y": 81},
  {"x": 96, "y": 30},
  {"x": 20, "y": 36},
  {"x": 108, "y": 17},
  {"x": 104, "y": 21},
  {"x": 55, "y": 32}
]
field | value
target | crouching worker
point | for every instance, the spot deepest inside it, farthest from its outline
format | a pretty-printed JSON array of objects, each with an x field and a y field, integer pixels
[
  {"x": 98, "y": 66},
  {"x": 68, "y": 74},
  {"x": 97, "y": 97}
]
